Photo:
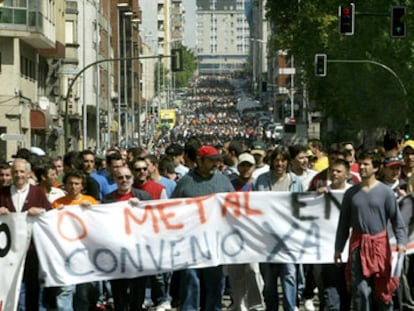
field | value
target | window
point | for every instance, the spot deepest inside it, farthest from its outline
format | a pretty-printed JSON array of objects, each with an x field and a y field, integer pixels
[
  {"x": 27, "y": 67},
  {"x": 70, "y": 32},
  {"x": 17, "y": 3}
]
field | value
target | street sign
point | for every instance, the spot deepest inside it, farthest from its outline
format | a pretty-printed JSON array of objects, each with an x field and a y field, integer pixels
[{"x": 18, "y": 137}]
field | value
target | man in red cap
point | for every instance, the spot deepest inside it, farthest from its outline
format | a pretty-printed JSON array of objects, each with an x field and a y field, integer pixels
[{"x": 202, "y": 285}]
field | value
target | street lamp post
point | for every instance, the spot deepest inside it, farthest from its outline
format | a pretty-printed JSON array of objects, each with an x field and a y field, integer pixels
[
  {"x": 120, "y": 7},
  {"x": 257, "y": 44},
  {"x": 98, "y": 89},
  {"x": 137, "y": 21},
  {"x": 292, "y": 93},
  {"x": 84, "y": 104},
  {"x": 125, "y": 80}
]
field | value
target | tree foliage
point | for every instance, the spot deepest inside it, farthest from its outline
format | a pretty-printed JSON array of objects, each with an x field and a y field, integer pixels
[
  {"x": 189, "y": 68},
  {"x": 181, "y": 78},
  {"x": 356, "y": 95}
]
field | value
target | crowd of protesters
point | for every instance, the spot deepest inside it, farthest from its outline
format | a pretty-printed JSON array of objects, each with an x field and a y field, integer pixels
[
  {"x": 81, "y": 178},
  {"x": 211, "y": 114},
  {"x": 213, "y": 152}
]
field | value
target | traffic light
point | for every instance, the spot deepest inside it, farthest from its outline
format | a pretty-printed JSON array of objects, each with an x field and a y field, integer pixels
[
  {"x": 347, "y": 19},
  {"x": 407, "y": 131},
  {"x": 176, "y": 60},
  {"x": 320, "y": 65},
  {"x": 397, "y": 25}
]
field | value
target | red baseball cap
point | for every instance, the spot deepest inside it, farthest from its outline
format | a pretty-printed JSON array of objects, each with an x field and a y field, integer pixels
[
  {"x": 208, "y": 152},
  {"x": 390, "y": 161}
]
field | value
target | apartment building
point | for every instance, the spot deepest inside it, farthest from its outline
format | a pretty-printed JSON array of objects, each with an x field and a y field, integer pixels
[
  {"x": 223, "y": 36},
  {"x": 31, "y": 48}
]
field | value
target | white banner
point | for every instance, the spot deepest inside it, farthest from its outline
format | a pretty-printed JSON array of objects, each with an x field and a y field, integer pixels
[
  {"x": 15, "y": 233},
  {"x": 77, "y": 245}
]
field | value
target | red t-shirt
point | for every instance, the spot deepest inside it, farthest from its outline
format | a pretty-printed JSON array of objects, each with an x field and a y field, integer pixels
[{"x": 122, "y": 197}]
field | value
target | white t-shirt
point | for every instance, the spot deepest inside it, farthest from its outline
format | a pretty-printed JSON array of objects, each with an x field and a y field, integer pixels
[
  {"x": 258, "y": 171},
  {"x": 19, "y": 196}
]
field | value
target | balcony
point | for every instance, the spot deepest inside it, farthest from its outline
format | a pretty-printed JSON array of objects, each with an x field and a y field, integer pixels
[{"x": 28, "y": 25}]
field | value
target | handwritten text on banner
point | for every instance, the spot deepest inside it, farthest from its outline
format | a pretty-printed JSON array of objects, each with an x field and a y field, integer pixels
[{"x": 77, "y": 245}]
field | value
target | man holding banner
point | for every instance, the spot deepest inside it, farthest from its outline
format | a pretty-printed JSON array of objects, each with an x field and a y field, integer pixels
[
  {"x": 69, "y": 296},
  {"x": 245, "y": 279},
  {"x": 367, "y": 208},
  {"x": 24, "y": 197},
  {"x": 202, "y": 287},
  {"x": 279, "y": 179},
  {"x": 136, "y": 286}
]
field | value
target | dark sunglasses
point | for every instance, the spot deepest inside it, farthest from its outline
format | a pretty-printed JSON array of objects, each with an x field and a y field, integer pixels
[
  {"x": 124, "y": 176},
  {"x": 139, "y": 169}
]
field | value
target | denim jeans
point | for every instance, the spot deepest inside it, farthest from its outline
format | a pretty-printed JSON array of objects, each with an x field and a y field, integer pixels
[
  {"x": 27, "y": 297},
  {"x": 64, "y": 298},
  {"x": 287, "y": 274},
  {"x": 201, "y": 288},
  {"x": 363, "y": 296}
]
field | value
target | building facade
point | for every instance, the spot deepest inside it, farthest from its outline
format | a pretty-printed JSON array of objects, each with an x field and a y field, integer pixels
[
  {"x": 31, "y": 49},
  {"x": 223, "y": 36}
]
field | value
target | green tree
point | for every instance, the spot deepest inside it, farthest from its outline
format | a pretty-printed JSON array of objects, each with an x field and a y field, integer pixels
[
  {"x": 181, "y": 78},
  {"x": 356, "y": 96}
]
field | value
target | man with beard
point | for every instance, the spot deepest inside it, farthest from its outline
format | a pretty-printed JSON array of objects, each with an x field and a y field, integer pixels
[
  {"x": 202, "y": 287},
  {"x": 279, "y": 179}
]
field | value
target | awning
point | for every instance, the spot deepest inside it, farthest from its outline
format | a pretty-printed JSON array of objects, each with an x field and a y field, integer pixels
[{"x": 37, "y": 120}]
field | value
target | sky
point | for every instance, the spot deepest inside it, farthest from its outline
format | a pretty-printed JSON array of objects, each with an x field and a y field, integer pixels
[{"x": 149, "y": 22}]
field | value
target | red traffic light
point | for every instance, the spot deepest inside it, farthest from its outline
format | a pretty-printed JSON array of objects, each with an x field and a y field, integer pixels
[{"x": 346, "y": 19}]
